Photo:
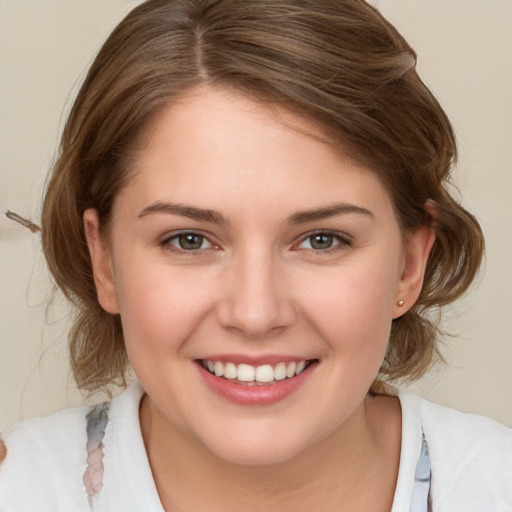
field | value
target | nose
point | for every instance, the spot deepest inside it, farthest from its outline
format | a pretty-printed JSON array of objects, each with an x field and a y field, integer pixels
[{"x": 257, "y": 302}]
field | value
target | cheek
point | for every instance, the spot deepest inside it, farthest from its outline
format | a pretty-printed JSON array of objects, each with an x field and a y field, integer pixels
[
  {"x": 159, "y": 306},
  {"x": 353, "y": 306}
]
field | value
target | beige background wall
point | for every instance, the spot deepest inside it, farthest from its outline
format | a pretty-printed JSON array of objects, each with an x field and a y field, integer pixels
[{"x": 465, "y": 56}]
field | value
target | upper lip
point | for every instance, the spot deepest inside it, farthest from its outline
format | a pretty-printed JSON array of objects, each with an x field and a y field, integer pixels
[{"x": 255, "y": 360}]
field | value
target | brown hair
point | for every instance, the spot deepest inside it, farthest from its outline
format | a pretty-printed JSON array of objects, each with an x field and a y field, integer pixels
[{"x": 336, "y": 62}]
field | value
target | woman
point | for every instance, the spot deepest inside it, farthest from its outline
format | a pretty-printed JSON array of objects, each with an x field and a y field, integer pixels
[{"x": 250, "y": 208}]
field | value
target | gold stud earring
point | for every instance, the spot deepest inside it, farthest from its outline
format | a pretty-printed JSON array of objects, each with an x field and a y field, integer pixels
[{"x": 400, "y": 303}]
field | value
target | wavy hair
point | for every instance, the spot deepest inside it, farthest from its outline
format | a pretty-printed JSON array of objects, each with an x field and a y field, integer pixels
[{"x": 339, "y": 63}]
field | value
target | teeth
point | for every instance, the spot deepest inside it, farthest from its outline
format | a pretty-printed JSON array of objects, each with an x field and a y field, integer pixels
[
  {"x": 280, "y": 371},
  {"x": 290, "y": 370},
  {"x": 218, "y": 368},
  {"x": 230, "y": 371},
  {"x": 248, "y": 373},
  {"x": 300, "y": 367},
  {"x": 264, "y": 373}
]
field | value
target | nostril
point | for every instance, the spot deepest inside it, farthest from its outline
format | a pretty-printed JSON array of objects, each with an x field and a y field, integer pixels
[{"x": 256, "y": 319}]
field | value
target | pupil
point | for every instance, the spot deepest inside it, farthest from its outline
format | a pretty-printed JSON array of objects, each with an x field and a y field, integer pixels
[
  {"x": 321, "y": 241},
  {"x": 190, "y": 241}
]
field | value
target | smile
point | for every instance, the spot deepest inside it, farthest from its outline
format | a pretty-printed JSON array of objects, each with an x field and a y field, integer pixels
[
  {"x": 265, "y": 382},
  {"x": 255, "y": 375}
]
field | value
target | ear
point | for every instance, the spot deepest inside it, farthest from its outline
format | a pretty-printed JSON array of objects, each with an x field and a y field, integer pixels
[
  {"x": 101, "y": 262},
  {"x": 418, "y": 247}
]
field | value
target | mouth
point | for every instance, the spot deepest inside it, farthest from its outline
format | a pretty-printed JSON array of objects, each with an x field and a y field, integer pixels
[{"x": 261, "y": 375}]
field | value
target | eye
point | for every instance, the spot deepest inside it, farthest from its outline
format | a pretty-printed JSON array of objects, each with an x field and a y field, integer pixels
[
  {"x": 188, "y": 241},
  {"x": 324, "y": 241},
  {"x": 319, "y": 241}
]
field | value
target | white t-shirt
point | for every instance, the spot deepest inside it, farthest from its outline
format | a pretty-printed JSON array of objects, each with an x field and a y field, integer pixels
[{"x": 470, "y": 456}]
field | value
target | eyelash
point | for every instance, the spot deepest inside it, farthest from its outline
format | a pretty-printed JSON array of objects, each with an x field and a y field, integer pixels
[
  {"x": 343, "y": 241},
  {"x": 167, "y": 242}
]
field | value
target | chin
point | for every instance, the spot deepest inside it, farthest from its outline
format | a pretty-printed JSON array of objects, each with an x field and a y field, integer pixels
[
  {"x": 256, "y": 456},
  {"x": 256, "y": 447}
]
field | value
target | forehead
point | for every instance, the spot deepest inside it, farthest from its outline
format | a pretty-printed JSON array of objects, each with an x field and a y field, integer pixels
[{"x": 221, "y": 149}]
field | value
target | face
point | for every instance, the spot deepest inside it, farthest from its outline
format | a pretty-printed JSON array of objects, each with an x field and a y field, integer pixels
[{"x": 256, "y": 271}]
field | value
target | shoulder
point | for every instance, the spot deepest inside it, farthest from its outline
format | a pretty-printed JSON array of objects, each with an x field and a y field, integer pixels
[
  {"x": 35, "y": 447},
  {"x": 471, "y": 457},
  {"x": 46, "y": 459},
  {"x": 456, "y": 429},
  {"x": 47, "y": 437},
  {"x": 44, "y": 429}
]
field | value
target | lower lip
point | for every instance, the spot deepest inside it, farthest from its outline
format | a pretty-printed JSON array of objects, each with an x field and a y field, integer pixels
[{"x": 265, "y": 394}]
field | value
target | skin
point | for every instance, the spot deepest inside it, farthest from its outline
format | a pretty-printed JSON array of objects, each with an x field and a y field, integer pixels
[{"x": 258, "y": 287}]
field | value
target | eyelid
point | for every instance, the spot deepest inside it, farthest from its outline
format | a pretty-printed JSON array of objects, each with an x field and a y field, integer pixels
[
  {"x": 344, "y": 240},
  {"x": 165, "y": 241}
]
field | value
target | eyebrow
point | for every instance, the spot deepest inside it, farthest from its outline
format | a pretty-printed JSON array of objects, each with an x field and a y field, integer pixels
[
  {"x": 215, "y": 217},
  {"x": 192, "y": 212},
  {"x": 333, "y": 210}
]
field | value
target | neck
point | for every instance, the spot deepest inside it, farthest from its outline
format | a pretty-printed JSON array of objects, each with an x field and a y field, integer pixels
[{"x": 341, "y": 472}]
